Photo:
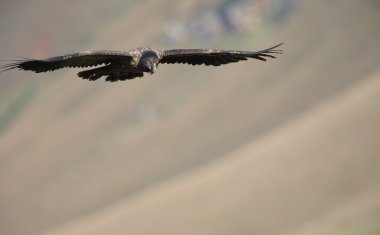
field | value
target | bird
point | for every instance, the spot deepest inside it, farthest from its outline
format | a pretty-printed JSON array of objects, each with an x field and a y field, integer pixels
[{"x": 126, "y": 65}]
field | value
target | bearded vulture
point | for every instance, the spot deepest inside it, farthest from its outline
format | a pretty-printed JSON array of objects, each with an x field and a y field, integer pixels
[{"x": 124, "y": 65}]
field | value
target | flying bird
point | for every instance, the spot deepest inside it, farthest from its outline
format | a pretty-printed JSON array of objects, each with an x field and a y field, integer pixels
[{"x": 125, "y": 65}]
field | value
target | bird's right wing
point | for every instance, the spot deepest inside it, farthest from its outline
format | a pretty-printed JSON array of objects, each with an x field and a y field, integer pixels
[
  {"x": 215, "y": 57},
  {"x": 80, "y": 59}
]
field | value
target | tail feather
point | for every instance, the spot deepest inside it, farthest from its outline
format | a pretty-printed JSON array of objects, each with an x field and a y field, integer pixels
[
  {"x": 111, "y": 76},
  {"x": 93, "y": 74}
]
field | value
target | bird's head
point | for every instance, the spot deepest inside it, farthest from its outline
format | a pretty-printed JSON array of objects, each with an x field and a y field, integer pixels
[{"x": 149, "y": 63}]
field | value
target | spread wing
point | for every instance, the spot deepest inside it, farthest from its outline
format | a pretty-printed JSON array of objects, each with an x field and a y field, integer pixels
[
  {"x": 215, "y": 57},
  {"x": 75, "y": 60}
]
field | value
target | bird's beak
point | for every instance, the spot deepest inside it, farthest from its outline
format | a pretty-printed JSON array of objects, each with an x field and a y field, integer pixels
[{"x": 153, "y": 69}]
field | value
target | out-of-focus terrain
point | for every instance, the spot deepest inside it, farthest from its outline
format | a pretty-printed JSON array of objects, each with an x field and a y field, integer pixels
[{"x": 290, "y": 146}]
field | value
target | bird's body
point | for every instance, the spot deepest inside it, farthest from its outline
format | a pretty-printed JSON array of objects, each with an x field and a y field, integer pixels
[{"x": 124, "y": 65}]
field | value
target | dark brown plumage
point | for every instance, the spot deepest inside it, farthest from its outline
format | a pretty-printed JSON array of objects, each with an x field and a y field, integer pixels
[{"x": 120, "y": 65}]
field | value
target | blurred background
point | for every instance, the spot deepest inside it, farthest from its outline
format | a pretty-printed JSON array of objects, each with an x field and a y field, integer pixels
[{"x": 290, "y": 146}]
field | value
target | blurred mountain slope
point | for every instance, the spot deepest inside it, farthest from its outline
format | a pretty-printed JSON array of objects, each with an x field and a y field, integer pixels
[{"x": 298, "y": 162}]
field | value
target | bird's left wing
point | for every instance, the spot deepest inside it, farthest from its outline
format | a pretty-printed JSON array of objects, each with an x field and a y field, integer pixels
[
  {"x": 80, "y": 59},
  {"x": 215, "y": 57}
]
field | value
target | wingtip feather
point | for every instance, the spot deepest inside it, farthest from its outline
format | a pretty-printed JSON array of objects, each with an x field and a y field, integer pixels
[{"x": 271, "y": 49}]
